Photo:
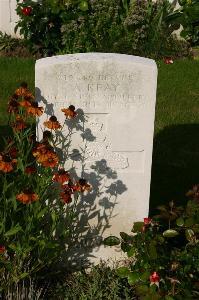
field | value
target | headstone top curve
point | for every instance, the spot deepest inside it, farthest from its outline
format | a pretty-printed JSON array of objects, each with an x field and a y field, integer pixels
[{"x": 95, "y": 56}]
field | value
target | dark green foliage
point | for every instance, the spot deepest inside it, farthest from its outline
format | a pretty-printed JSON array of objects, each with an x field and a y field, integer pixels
[
  {"x": 99, "y": 284},
  {"x": 99, "y": 30},
  {"x": 167, "y": 248},
  {"x": 10, "y": 46},
  {"x": 188, "y": 16},
  {"x": 70, "y": 26},
  {"x": 41, "y": 29}
]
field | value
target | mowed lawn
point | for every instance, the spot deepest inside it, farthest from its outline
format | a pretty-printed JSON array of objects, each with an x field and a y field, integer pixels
[{"x": 176, "y": 139}]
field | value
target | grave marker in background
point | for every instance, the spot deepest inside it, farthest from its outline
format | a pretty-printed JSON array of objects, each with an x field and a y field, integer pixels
[{"x": 113, "y": 136}]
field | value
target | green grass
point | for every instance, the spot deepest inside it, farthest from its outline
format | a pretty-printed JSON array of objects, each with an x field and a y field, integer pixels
[
  {"x": 176, "y": 139},
  {"x": 12, "y": 72}
]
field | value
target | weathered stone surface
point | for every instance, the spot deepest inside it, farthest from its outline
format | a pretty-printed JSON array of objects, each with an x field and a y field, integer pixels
[{"x": 113, "y": 135}]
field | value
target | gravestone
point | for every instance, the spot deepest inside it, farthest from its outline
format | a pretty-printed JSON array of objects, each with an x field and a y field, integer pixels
[{"x": 112, "y": 139}]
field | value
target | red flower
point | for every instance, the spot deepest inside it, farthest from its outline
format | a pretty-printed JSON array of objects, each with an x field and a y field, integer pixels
[
  {"x": 2, "y": 249},
  {"x": 147, "y": 221},
  {"x": 168, "y": 60},
  {"x": 26, "y": 11},
  {"x": 30, "y": 170},
  {"x": 155, "y": 278},
  {"x": 67, "y": 191},
  {"x": 66, "y": 197}
]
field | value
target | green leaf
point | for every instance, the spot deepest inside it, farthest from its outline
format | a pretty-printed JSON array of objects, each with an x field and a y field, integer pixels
[
  {"x": 169, "y": 298},
  {"x": 142, "y": 290},
  {"x": 189, "y": 233},
  {"x": 180, "y": 221},
  {"x": 131, "y": 252},
  {"x": 123, "y": 272},
  {"x": 13, "y": 230},
  {"x": 126, "y": 237},
  {"x": 196, "y": 228},
  {"x": 189, "y": 222},
  {"x": 152, "y": 251},
  {"x": 83, "y": 5},
  {"x": 111, "y": 241},
  {"x": 145, "y": 276},
  {"x": 169, "y": 233},
  {"x": 13, "y": 247},
  {"x": 137, "y": 226},
  {"x": 125, "y": 247},
  {"x": 42, "y": 212},
  {"x": 23, "y": 275},
  {"x": 20, "y": 165},
  {"x": 133, "y": 278}
]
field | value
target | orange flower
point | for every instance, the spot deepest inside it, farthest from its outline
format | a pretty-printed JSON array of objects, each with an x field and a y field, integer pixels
[
  {"x": 28, "y": 95},
  {"x": 25, "y": 103},
  {"x": 23, "y": 91},
  {"x": 19, "y": 125},
  {"x": 2, "y": 249},
  {"x": 69, "y": 112},
  {"x": 42, "y": 149},
  {"x": 62, "y": 176},
  {"x": 30, "y": 170},
  {"x": 45, "y": 155},
  {"x": 7, "y": 164},
  {"x": 82, "y": 186},
  {"x": 51, "y": 160},
  {"x": 52, "y": 123},
  {"x": 27, "y": 197},
  {"x": 34, "y": 109}
]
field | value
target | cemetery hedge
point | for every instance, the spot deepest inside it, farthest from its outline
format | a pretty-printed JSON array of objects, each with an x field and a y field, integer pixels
[{"x": 131, "y": 27}]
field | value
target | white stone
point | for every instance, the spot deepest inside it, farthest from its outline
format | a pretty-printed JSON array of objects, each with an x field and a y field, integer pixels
[
  {"x": 117, "y": 94},
  {"x": 8, "y": 17}
]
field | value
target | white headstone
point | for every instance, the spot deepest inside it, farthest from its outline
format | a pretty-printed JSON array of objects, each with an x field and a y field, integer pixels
[{"x": 117, "y": 95}]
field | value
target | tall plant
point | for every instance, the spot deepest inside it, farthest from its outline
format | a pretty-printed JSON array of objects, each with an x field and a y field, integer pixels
[
  {"x": 38, "y": 197},
  {"x": 188, "y": 16}
]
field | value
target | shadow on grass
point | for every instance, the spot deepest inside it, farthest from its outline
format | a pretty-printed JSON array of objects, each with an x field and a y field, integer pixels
[{"x": 175, "y": 164}]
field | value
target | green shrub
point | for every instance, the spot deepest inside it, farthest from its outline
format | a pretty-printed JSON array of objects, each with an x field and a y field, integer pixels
[
  {"x": 165, "y": 250},
  {"x": 188, "y": 16},
  {"x": 40, "y": 25},
  {"x": 149, "y": 33},
  {"x": 99, "y": 30},
  {"x": 131, "y": 27},
  {"x": 100, "y": 283},
  {"x": 10, "y": 46}
]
